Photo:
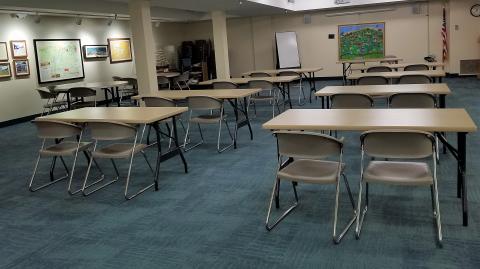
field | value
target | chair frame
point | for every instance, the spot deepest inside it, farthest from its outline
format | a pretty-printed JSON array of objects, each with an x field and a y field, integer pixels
[
  {"x": 273, "y": 95},
  {"x": 300, "y": 85}
]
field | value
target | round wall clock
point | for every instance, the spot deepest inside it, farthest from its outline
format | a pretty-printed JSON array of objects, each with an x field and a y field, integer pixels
[{"x": 475, "y": 10}]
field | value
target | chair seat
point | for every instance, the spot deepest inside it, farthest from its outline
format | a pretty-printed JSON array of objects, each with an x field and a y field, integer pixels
[
  {"x": 118, "y": 151},
  {"x": 398, "y": 173},
  {"x": 311, "y": 171},
  {"x": 55, "y": 104},
  {"x": 66, "y": 148},
  {"x": 206, "y": 119}
]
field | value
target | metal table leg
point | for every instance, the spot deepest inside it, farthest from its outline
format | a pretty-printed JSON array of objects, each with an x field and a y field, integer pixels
[{"x": 462, "y": 169}]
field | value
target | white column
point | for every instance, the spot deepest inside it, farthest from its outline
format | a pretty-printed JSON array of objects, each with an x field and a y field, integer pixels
[
  {"x": 143, "y": 43},
  {"x": 219, "y": 21}
]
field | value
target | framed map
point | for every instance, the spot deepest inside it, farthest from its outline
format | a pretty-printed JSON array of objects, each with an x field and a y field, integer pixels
[
  {"x": 361, "y": 41},
  {"x": 58, "y": 59},
  {"x": 120, "y": 50},
  {"x": 3, "y": 51}
]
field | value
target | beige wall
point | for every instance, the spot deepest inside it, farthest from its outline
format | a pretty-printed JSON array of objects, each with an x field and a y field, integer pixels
[
  {"x": 19, "y": 98},
  {"x": 408, "y": 35}
]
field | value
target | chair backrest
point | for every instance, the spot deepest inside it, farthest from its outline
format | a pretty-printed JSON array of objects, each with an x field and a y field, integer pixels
[
  {"x": 351, "y": 100},
  {"x": 412, "y": 100},
  {"x": 372, "y": 80},
  {"x": 414, "y": 79},
  {"x": 79, "y": 92},
  {"x": 111, "y": 130},
  {"x": 224, "y": 85},
  {"x": 259, "y": 75},
  {"x": 161, "y": 80},
  {"x": 262, "y": 84},
  {"x": 117, "y": 78},
  {"x": 51, "y": 129},
  {"x": 401, "y": 144},
  {"x": 44, "y": 94},
  {"x": 307, "y": 145},
  {"x": 379, "y": 69},
  {"x": 184, "y": 77},
  {"x": 158, "y": 102},
  {"x": 204, "y": 103},
  {"x": 416, "y": 67},
  {"x": 288, "y": 73}
]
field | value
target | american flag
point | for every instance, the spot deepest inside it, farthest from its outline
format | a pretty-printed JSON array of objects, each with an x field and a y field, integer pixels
[{"x": 444, "y": 36}]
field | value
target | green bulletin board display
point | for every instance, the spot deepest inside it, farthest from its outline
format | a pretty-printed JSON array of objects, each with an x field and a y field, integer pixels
[{"x": 361, "y": 41}]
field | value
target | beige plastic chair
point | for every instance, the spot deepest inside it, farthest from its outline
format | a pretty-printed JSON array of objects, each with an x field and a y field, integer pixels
[
  {"x": 351, "y": 100},
  {"x": 414, "y": 79},
  {"x": 78, "y": 94},
  {"x": 297, "y": 85},
  {"x": 412, "y": 100},
  {"x": 224, "y": 85},
  {"x": 379, "y": 69},
  {"x": 116, "y": 131},
  {"x": 163, "y": 83},
  {"x": 404, "y": 146},
  {"x": 53, "y": 104},
  {"x": 311, "y": 158},
  {"x": 416, "y": 67},
  {"x": 216, "y": 115},
  {"x": 181, "y": 82},
  {"x": 373, "y": 80},
  {"x": 259, "y": 75},
  {"x": 266, "y": 95},
  {"x": 58, "y": 131}
]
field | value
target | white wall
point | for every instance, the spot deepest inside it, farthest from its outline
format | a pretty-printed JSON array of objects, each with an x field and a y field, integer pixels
[{"x": 18, "y": 96}]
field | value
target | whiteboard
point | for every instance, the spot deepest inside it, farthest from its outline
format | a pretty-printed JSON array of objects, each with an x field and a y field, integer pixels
[{"x": 287, "y": 50}]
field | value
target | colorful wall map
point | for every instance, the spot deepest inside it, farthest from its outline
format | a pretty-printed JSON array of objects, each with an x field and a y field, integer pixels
[
  {"x": 361, "y": 41},
  {"x": 58, "y": 59}
]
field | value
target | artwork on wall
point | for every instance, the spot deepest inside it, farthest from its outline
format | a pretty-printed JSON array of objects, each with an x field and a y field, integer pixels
[
  {"x": 3, "y": 51},
  {"x": 361, "y": 41},
  {"x": 95, "y": 51},
  {"x": 120, "y": 50},
  {"x": 5, "y": 71},
  {"x": 21, "y": 68},
  {"x": 58, "y": 59},
  {"x": 19, "y": 49}
]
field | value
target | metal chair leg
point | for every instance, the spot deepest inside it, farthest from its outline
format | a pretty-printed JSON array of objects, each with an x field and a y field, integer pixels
[
  {"x": 186, "y": 138},
  {"x": 30, "y": 185},
  {"x": 437, "y": 214},
  {"x": 219, "y": 136},
  {"x": 85, "y": 186},
  {"x": 288, "y": 211},
  {"x": 360, "y": 213},
  {"x": 338, "y": 239}
]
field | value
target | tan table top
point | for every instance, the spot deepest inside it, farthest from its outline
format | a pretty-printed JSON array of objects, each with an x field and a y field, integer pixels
[
  {"x": 273, "y": 72},
  {"x": 217, "y": 93},
  {"x": 94, "y": 85},
  {"x": 369, "y": 60},
  {"x": 168, "y": 74},
  {"x": 133, "y": 115},
  {"x": 397, "y": 66},
  {"x": 439, "y": 120},
  {"x": 382, "y": 90},
  {"x": 282, "y": 79},
  {"x": 430, "y": 73}
]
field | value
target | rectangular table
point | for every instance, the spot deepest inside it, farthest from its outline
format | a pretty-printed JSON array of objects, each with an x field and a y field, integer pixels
[
  {"x": 280, "y": 81},
  {"x": 435, "y": 74},
  {"x": 430, "y": 120},
  {"x": 395, "y": 67},
  {"x": 231, "y": 95},
  {"x": 107, "y": 86},
  {"x": 439, "y": 89},
  {"x": 131, "y": 115},
  {"x": 347, "y": 65}
]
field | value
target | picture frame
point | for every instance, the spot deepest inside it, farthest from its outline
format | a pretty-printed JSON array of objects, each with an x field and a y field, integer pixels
[
  {"x": 5, "y": 70},
  {"x": 356, "y": 53},
  {"x": 18, "y": 49},
  {"x": 3, "y": 52},
  {"x": 120, "y": 50},
  {"x": 21, "y": 68},
  {"x": 58, "y": 60},
  {"x": 95, "y": 51}
]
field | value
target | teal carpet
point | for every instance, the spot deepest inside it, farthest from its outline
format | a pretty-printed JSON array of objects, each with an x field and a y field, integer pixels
[{"x": 213, "y": 217}]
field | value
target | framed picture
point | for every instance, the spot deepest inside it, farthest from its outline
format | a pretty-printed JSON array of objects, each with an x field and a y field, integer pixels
[
  {"x": 3, "y": 51},
  {"x": 95, "y": 51},
  {"x": 19, "y": 49},
  {"x": 58, "y": 59},
  {"x": 5, "y": 71},
  {"x": 361, "y": 41},
  {"x": 120, "y": 50},
  {"x": 21, "y": 68}
]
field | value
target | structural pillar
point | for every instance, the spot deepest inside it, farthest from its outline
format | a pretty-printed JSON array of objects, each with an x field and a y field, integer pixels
[
  {"x": 143, "y": 44},
  {"x": 219, "y": 21}
]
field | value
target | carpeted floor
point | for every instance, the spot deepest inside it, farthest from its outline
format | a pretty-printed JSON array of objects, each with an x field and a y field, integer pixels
[{"x": 213, "y": 217}]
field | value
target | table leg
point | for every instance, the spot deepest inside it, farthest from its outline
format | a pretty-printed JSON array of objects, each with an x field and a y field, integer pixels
[
  {"x": 344, "y": 73},
  {"x": 461, "y": 174},
  {"x": 156, "y": 126},
  {"x": 105, "y": 90},
  {"x": 235, "y": 109},
  {"x": 118, "y": 96},
  {"x": 69, "y": 102},
  {"x": 245, "y": 100},
  {"x": 175, "y": 138},
  {"x": 288, "y": 94}
]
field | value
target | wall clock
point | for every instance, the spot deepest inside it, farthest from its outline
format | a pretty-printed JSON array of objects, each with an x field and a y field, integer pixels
[{"x": 475, "y": 10}]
